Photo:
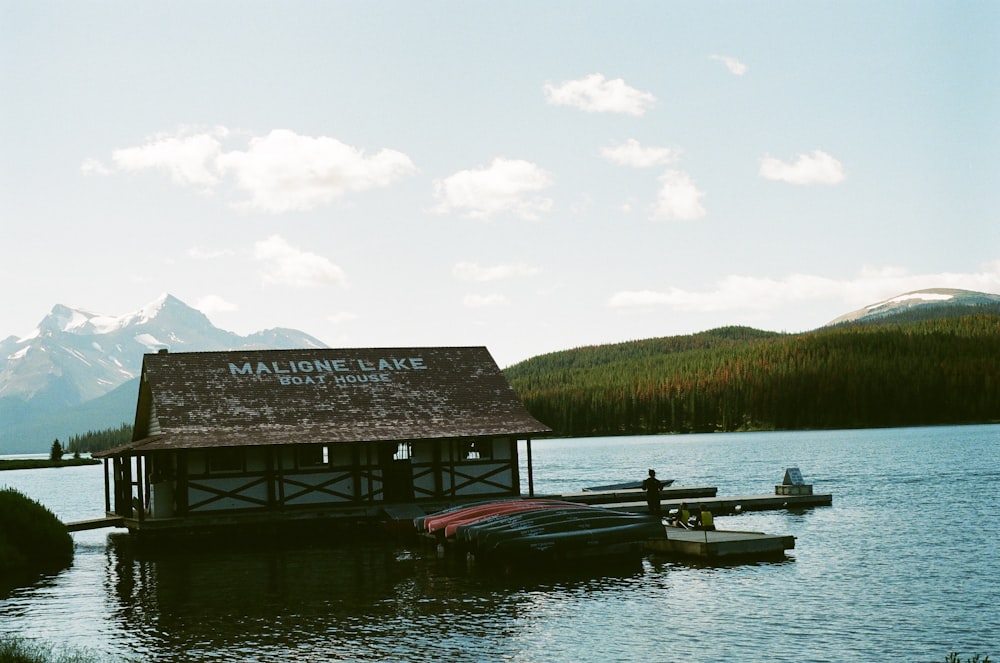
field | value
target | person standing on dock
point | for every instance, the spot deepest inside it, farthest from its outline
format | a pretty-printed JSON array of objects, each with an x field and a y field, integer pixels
[{"x": 652, "y": 486}]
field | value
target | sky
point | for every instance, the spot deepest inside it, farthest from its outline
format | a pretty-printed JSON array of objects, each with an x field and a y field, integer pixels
[{"x": 529, "y": 176}]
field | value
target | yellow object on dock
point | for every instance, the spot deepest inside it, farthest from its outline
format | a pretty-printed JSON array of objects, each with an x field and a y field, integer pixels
[{"x": 720, "y": 544}]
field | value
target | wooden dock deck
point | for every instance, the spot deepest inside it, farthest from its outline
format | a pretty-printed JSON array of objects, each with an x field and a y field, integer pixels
[
  {"x": 720, "y": 544},
  {"x": 637, "y": 495},
  {"x": 723, "y": 506},
  {"x": 95, "y": 523}
]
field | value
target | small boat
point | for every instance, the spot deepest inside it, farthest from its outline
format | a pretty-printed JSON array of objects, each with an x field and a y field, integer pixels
[
  {"x": 540, "y": 532},
  {"x": 625, "y": 485},
  {"x": 418, "y": 522},
  {"x": 498, "y": 514},
  {"x": 595, "y": 519},
  {"x": 591, "y": 544},
  {"x": 515, "y": 522},
  {"x": 441, "y": 520}
]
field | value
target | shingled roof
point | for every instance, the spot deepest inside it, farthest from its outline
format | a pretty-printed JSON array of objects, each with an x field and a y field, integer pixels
[{"x": 323, "y": 396}]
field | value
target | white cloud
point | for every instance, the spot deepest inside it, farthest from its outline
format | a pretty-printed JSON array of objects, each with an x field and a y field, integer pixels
[
  {"x": 189, "y": 159},
  {"x": 94, "y": 167},
  {"x": 342, "y": 317},
  {"x": 507, "y": 185},
  {"x": 284, "y": 171},
  {"x": 471, "y": 271},
  {"x": 678, "y": 198},
  {"x": 215, "y": 304},
  {"x": 204, "y": 253},
  {"x": 816, "y": 168},
  {"x": 287, "y": 265},
  {"x": 484, "y": 301},
  {"x": 596, "y": 94},
  {"x": 631, "y": 153},
  {"x": 749, "y": 293},
  {"x": 732, "y": 64}
]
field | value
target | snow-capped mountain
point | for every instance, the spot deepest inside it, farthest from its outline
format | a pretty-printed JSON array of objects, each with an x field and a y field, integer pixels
[
  {"x": 919, "y": 300},
  {"x": 75, "y": 356}
]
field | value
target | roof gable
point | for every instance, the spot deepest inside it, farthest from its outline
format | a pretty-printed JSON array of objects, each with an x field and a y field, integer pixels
[{"x": 325, "y": 395}]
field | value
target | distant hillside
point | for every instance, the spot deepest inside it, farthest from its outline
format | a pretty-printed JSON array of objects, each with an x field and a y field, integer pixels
[
  {"x": 108, "y": 411},
  {"x": 923, "y": 305},
  {"x": 893, "y": 371}
]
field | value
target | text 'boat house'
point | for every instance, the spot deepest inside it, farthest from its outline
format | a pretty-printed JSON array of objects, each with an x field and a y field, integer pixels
[{"x": 251, "y": 438}]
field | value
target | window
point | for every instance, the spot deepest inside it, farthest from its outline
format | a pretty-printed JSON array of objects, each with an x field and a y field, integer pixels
[
  {"x": 225, "y": 460},
  {"x": 477, "y": 450},
  {"x": 403, "y": 451},
  {"x": 312, "y": 455}
]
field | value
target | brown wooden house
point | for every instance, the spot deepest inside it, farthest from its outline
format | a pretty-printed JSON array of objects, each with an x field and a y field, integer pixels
[{"x": 224, "y": 438}]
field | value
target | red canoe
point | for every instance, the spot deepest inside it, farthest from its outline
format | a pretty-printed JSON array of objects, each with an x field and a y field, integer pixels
[{"x": 434, "y": 523}]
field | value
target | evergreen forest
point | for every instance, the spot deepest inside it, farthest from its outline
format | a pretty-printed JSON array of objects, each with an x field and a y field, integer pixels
[
  {"x": 905, "y": 370},
  {"x": 99, "y": 440}
]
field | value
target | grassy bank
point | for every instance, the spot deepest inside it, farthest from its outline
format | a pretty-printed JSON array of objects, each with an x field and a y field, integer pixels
[
  {"x": 34, "y": 463},
  {"x": 32, "y": 540},
  {"x": 20, "y": 650}
]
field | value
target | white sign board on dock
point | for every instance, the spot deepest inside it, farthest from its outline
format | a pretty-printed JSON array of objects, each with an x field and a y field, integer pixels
[
  {"x": 793, "y": 484},
  {"x": 793, "y": 477}
]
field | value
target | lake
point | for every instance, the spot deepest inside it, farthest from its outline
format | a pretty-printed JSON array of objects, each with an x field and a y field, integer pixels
[{"x": 905, "y": 566}]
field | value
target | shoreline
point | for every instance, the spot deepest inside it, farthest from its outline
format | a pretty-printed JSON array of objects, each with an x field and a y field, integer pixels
[{"x": 39, "y": 463}]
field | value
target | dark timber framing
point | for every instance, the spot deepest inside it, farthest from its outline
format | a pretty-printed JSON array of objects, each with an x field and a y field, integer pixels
[{"x": 248, "y": 437}]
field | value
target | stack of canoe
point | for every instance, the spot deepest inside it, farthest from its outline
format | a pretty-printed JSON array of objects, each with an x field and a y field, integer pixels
[{"x": 539, "y": 531}]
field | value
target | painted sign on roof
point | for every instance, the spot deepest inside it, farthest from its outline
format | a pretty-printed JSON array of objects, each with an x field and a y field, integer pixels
[
  {"x": 340, "y": 371},
  {"x": 324, "y": 396}
]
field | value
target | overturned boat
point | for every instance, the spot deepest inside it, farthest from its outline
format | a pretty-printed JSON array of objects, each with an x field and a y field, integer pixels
[{"x": 536, "y": 533}]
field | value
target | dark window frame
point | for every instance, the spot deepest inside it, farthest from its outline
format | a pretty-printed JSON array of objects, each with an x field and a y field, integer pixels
[
  {"x": 303, "y": 459},
  {"x": 225, "y": 460},
  {"x": 477, "y": 449}
]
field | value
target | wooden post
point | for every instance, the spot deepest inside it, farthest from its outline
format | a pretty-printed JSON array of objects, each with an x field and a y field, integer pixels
[
  {"x": 181, "y": 484},
  {"x": 280, "y": 476},
  {"x": 269, "y": 473},
  {"x": 139, "y": 483},
  {"x": 123, "y": 486},
  {"x": 107, "y": 486},
  {"x": 436, "y": 471},
  {"x": 531, "y": 474}
]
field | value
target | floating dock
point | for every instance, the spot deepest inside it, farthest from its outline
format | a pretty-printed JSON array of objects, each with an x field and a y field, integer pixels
[
  {"x": 722, "y": 506},
  {"x": 95, "y": 523},
  {"x": 713, "y": 545},
  {"x": 720, "y": 544},
  {"x": 637, "y": 495}
]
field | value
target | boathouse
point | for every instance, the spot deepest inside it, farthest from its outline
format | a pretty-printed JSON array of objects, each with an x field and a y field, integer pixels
[{"x": 279, "y": 435}]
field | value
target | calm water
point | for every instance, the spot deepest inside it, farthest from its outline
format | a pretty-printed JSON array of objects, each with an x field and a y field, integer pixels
[{"x": 905, "y": 566}]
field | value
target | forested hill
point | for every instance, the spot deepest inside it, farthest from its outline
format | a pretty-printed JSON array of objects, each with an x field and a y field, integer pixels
[{"x": 902, "y": 371}]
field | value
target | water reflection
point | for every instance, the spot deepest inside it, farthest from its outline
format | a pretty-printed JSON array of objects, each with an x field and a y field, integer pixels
[
  {"x": 234, "y": 599},
  {"x": 367, "y": 599},
  {"x": 874, "y": 558}
]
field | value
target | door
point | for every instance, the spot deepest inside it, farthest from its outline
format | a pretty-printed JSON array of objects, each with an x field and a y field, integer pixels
[{"x": 397, "y": 471}]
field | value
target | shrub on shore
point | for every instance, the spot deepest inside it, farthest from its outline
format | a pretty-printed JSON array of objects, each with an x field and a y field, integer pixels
[
  {"x": 19, "y": 650},
  {"x": 32, "y": 540}
]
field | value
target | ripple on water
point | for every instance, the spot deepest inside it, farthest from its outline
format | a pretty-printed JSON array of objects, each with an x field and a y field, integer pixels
[{"x": 877, "y": 576}]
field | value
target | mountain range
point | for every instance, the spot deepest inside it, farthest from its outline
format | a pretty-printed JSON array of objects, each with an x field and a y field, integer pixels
[{"x": 78, "y": 370}]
